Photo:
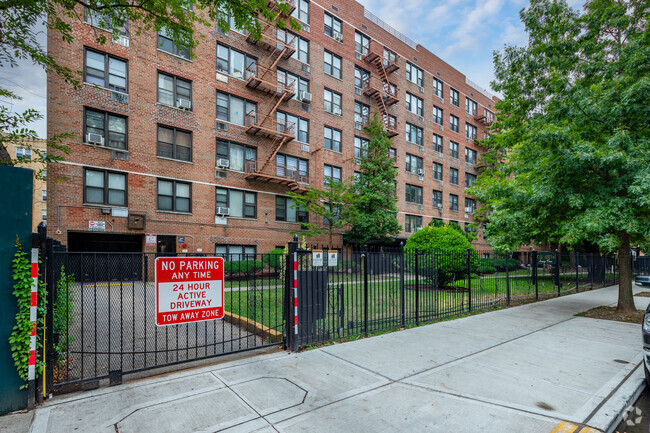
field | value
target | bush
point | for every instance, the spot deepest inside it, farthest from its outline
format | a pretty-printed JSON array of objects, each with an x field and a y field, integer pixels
[
  {"x": 63, "y": 314},
  {"x": 274, "y": 258},
  {"x": 491, "y": 265},
  {"x": 242, "y": 267},
  {"x": 445, "y": 247}
]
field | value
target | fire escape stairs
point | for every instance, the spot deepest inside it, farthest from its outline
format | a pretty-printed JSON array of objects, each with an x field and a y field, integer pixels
[{"x": 386, "y": 84}]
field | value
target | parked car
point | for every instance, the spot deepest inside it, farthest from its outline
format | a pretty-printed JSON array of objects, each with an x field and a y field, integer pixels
[
  {"x": 645, "y": 329},
  {"x": 643, "y": 280}
]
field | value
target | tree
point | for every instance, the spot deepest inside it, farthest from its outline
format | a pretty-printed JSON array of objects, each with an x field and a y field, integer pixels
[
  {"x": 374, "y": 214},
  {"x": 183, "y": 20},
  {"x": 569, "y": 158},
  {"x": 331, "y": 203}
]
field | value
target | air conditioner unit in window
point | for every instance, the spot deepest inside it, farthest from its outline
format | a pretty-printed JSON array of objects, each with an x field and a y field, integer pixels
[
  {"x": 223, "y": 163},
  {"x": 421, "y": 149},
  {"x": 357, "y": 55},
  {"x": 223, "y": 211},
  {"x": 421, "y": 119},
  {"x": 357, "y": 91},
  {"x": 441, "y": 183},
  {"x": 336, "y": 111},
  {"x": 421, "y": 171},
  {"x": 122, "y": 40},
  {"x": 440, "y": 154},
  {"x": 221, "y": 126},
  {"x": 306, "y": 68},
  {"x": 184, "y": 104},
  {"x": 421, "y": 207},
  {"x": 466, "y": 216},
  {"x": 442, "y": 128},
  {"x": 440, "y": 209},
  {"x": 94, "y": 139},
  {"x": 337, "y": 36},
  {"x": 122, "y": 155},
  {"x": 442, "y": 100},
  {"x": 305, "y": 97},
  {"x": 421, "y": 89},
  {"x": 468, "y": 210}
]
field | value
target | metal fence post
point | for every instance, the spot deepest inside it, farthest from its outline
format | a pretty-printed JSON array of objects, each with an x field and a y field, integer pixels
[
  {"x": 591, "y": 271},
  {"x": 535, "y": 278},
  {"x": 365, "y": 290},
  {"x": 507, "y": 279},
  {"x": 469, "y": 279},
  {"x": 401, "y": 283},
  {"x": 417, "y": 287},
  {"x": 557, "y": 271},
  {"x": 290, "y": 296},
  {"x": 577, "y": 272}
]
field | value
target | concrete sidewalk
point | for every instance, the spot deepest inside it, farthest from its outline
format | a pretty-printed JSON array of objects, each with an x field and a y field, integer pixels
[{"x": 527, "y": 368}]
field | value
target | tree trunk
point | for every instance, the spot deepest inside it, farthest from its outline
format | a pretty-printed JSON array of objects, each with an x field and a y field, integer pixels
[
  {"x": 625, "y": 297},
  {"x": 5, "y": 158}
]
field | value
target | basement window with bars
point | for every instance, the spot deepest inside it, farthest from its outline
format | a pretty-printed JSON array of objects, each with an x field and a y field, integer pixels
[
  {"x": 112, "y": 129},
  {"x": 174, "y": 196},
  {"x": 105, "y": 70},
  {"x": 242, "y": 204},
  {"x": 105, "y": 187}
]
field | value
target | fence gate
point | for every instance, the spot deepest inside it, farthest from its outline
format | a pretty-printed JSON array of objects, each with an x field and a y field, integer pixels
[{"x": 104, "y": 325}]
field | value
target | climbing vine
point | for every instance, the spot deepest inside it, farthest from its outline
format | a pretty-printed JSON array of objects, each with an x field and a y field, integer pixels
[{"x": 19, "y": 338}]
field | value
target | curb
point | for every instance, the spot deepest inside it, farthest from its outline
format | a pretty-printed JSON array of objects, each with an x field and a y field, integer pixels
[{"x": 252, "y": 326}]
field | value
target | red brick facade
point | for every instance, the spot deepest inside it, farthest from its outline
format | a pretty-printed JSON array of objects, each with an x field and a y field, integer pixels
[{"x": 68, "y": 212}]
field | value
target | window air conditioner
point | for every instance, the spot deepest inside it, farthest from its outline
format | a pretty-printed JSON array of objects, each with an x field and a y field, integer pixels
[
  {"x": 336, "y": 111},
  {"x": 421, "y": 171},
  {"x": 223, "y": 163},
  {"x": 94, "y": 139},
  {"x": 184, "y": 104},
  {"x": 305, "y": 97},
  {"x": 223, "y": 211},
  {"x": 337, "y": 36}
]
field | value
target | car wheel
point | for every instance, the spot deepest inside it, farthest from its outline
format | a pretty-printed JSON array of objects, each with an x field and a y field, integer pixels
[{"x": 647, "y": 375}]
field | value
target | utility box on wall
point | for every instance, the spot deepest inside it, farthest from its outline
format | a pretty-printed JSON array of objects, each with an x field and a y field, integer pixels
[{"x": 15, "y": 220}]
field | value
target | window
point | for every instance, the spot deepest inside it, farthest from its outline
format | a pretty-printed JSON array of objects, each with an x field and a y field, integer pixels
[
  {"x": 361, "y": 113},
  {"x": 302, "y": 11},
  {"x": 437, "y": 143},
  {"x": 236, "y": 253},
  {"x": 242, "y": 204},
  {"x": 332, "y": 102},
  {"x": 470, "y": 155},
  {"x": 414, "y": 74},
  {"x": 290, "y": 167},
  {"x": 453, "y": 176},
  {"x": 489, "y": 116},
  {"x": 437, "y": 115},
  {"x": 332, "y": 26},
  {"x": 105, "y": 70},
  {"x": 360, "y": 76},
  {"x": 392, "y": 153},
  {"x": 111, "y": 127},
  {"x": 174, "y": 196},
  {"x": 470, "y": 107},
  {"x": 470, "y": 131},
  {"x": 437, "y": 198},
  {"x": 331, "y": 174},
  {"x": 44, "y": 195},
  {"x": 286, "y": 78},
  {"x": 453, "y": 202},
  {"x": 302, "y": 49},
  {"x": 469, "y": 228},
  {"x": 453, "y": 122},
  {"x": 412, "y": 223},
  {"x": 286, "y": 210},
  {"x": 167, "y": 44},
  {"x": 469, "y": 179},
  {"x": 360, "y": 146},
  {"x": 233, "y": 62},
  {"x": 414, "y": 104},
  {"x": 332, "y": 64},
  {"x": 44, "y": 214},
  {"x": 172, "y": 89},
  {"x": 23, "y": 154},
  {"x": 470, "y": 205},
  {"x": 361, "y": 43},
  {"x": 231, "y": 24},
  {"x": 233, "y": 109},
  {"x": 438, "y": 88},
  {"x": 174, "y": 143},
  {"x": 414, "y": 134},
  {"x": 301, "y": 125},
  {"x": 453, "y": 149},
  {"x": 437, "y": 171},
  {"x": 44, "y": 174},
  {"x": 454, "y": 97},
  {"x": 413, "y": 164},
  {"x": 104, "y": 187},
  {"x": 332, "y": 139},
  {"x": 413, "y": 194},
  {"x": 104, "y": 21},
  {"x": 238, "y": 155}
]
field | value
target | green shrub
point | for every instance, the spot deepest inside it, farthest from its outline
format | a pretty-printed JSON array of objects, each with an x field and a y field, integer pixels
[
  {"x": 491, "y": 265},
  {"x": 274, "y": 258},
  {"x": 242, "y": 267},
  {"x": 63, "y": 314}
]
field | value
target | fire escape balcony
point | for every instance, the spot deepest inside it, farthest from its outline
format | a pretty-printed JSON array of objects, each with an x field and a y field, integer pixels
[
  {"x": 377, "y": 88},
  {"x": 390, "y": 123},
  {"x": 378, "y": 54},
  {"x": 269, "y": 127},
  {"x": 266, "y": 80},
  {"x": 278, "y": 41},
  {"x": 275, "y": 173},
  {"x": 484, "y": 119}
]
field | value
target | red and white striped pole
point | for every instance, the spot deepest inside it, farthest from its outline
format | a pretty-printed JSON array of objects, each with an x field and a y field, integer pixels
[
  {"x": 31, "y": 370},
  {"x": 295, "y": 301}
]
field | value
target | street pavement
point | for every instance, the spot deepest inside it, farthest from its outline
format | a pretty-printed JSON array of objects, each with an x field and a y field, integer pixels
[{"x": 532, "y": 368}]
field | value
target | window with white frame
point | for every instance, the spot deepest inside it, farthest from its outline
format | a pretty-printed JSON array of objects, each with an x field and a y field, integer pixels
[
  {"x": 438, "y": 87},
  {"x": 105, "y": 70},
  {"x": 332, "y": 64},
  {"x": 413, "y": 194},
  {"x": 414, "y": 134},
  {"x": 237, "y": 155},
  {"x": 332, "y": 138},
  {"x": 240, "y": 204},
  {"x": 437, "y": 143},
  {"x": 333, "y": 26},
  {"x": 414, "y": 104},
  {"x": 332, "y": 102},
  {"x": 174, "y": 91},
  {"x": 44, "y": 195},
  {"x": 414, "y": 74},
  {"x": 23, "y": 154},
  {"x": 414, "y": 164},
  {"x": 437, "y": 115},
  {"x": 44, "y": 214},
  {"x": 233, "y": 62}
]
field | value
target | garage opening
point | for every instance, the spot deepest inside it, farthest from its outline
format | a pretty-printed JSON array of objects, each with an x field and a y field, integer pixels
[{"x": 110, "y": 256}]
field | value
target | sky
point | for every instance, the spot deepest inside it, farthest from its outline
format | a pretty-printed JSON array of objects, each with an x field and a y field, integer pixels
[{"x": 464, "y": 33}]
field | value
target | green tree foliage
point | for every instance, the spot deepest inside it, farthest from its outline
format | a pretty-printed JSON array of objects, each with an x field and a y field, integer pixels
[
  {"x": 444, "y": 248},
  {"x": 374, "y": 214},
  {"x": 63, "y": 314},
  {"x": 274, "y": 258},
  {"x": 569, "y": 160},
  {"x": 332, "y": 204},
  {"x": 186, "y": 21},
  {"x": 243, "y": 267}
]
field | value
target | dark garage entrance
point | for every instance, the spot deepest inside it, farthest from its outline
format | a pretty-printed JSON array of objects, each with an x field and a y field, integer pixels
[{"x": 105, "y": 259}]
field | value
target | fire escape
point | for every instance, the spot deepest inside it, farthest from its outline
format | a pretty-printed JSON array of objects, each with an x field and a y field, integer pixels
[
  {"x": 380, "y": 88},
  {"x": 280, "y": 45}
]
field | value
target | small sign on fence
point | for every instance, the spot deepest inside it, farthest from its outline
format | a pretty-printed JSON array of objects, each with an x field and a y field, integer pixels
[
  {"x": 332, "y": 258},
  {"x": 317, "y": 258},
  {"x": 188, "y": 289}
]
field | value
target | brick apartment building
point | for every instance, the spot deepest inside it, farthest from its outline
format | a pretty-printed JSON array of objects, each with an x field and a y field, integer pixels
[
  {"x": 26, "y": 154},
  {"x": 202, "y": 150}
]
